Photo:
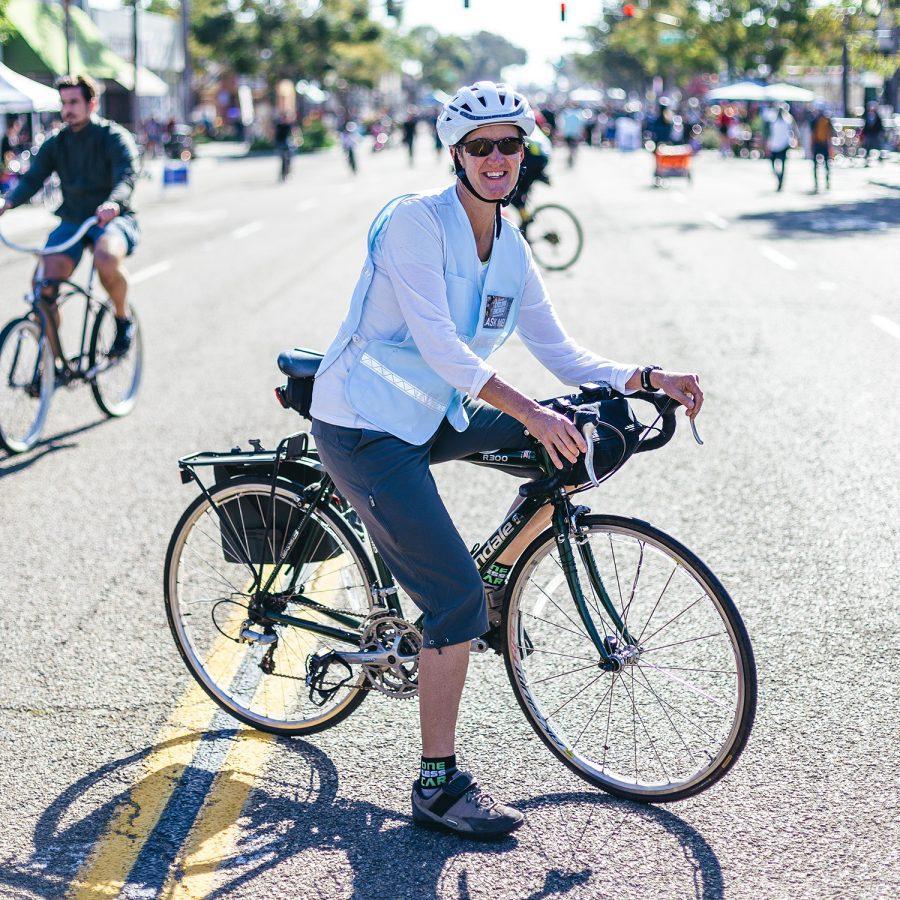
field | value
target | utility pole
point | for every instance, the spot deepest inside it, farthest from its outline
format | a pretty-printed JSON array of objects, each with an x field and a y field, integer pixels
[
  {"x": 68, "y": 30},
  {"x": 845, "y": 65},
  {"x": 186, "y": 86},
  {"x": 136, "y": 57}
]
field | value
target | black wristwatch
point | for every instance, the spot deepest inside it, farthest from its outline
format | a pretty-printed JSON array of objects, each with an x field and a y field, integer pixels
[{"x": 645, "y": 377}]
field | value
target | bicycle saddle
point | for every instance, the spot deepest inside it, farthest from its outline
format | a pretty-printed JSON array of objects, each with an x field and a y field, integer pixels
[{"x": 299, "y": 363}]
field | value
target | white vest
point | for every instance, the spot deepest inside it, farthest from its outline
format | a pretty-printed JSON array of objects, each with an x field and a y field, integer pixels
[{"x": 390, "y": 384}]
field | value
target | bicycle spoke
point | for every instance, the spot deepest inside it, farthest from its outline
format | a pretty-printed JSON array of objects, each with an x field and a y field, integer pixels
[
  {"x": 637, "y": 575},
  {"x": 686, "y": 684},
  {"x": 557, "y": 606},
  {"x": 576, "y": 694},
  {"x": 567, "y": 672},
  {"x": 593, "y": 714},
  {"x": 679, "y": 643},
  {"x": 649, "y": 738},
  {"x": 658, "y": 600},
  {"x": 666, "y": 714},
  {"x": 678, "y": 616},
  {"x": 579, "y": 634}
]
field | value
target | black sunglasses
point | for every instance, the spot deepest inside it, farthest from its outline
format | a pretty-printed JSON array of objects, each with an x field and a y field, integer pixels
[{"x": 508, "y": 146}]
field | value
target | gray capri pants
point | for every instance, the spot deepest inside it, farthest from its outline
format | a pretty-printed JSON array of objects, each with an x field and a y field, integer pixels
[{"x": 389, "y": 484}]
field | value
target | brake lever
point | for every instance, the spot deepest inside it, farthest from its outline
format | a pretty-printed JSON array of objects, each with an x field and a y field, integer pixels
[{"x": 694, "y": 430}]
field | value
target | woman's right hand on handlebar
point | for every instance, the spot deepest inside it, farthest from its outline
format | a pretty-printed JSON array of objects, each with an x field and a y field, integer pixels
[{"x": 561, "y": 439}]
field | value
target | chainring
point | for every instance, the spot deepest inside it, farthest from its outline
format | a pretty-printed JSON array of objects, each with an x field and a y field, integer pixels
[{"x": 386, "y": 632}]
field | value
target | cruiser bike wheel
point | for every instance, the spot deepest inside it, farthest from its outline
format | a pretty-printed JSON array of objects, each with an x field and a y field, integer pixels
[
  {"x": 26, "y": 384},
  {"x": 208, "y": 590},
  {"x": 117, "y": 381},
  {"x": 555, "y": 236},
  {"x": 676, "y": 717}
]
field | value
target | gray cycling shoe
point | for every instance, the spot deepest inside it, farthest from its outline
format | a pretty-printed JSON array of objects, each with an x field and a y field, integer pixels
[{"x": 462, "y": 807}]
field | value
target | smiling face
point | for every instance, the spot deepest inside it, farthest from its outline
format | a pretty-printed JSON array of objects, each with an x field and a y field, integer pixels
[{"x": 495, "y": 175}]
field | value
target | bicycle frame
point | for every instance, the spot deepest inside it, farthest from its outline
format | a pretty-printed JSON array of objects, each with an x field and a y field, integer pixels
[{"x": 564, "y": 523}]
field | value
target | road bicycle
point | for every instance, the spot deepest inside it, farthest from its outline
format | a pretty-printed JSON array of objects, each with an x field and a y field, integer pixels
[
  {"x": 625, "y": 653},
  {"x": 31, "y": 370},
  {"x": 554, "y": 233}
]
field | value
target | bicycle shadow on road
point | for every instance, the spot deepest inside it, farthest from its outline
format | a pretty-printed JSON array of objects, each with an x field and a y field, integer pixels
[
  {"x": 846, "y": 219},
  {"x": 386, "y": 855},
  {"x": 10, "y": 465}
]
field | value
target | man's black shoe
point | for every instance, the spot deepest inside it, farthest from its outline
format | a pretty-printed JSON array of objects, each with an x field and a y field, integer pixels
[{"x": 124, "y": 336}]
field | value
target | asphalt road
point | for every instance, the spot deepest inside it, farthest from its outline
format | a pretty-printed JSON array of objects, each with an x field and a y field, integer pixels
[{"x": 787, "y": 304}]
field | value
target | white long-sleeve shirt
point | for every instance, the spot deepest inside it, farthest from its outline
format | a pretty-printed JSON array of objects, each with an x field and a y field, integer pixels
[{"x": 409, "y": 293}]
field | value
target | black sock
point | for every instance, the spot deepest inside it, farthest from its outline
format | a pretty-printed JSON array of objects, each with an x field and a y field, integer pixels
[
  {"x": 496, "y": 575},
  {"x": 436, "y": 771}
]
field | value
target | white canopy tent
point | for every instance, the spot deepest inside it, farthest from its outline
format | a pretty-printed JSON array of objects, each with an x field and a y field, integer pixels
[
  {"x": 19, "y": 94},
  {"x": 742, "y": 90},
  {"x": 762, "y": 93},
  {"x": 789, "y": 93}
]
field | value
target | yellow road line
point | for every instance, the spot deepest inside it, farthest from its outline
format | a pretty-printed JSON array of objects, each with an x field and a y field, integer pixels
[
  {"x": 106, "y": 869},
  {"x": 197, "y": 870}
]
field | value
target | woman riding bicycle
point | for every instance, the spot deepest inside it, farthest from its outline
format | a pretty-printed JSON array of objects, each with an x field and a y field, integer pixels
[{"x": 406, "y": 383}]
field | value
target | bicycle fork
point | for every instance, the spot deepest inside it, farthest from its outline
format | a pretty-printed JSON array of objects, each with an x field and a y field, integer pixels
[{"x": 565, "y": 525}]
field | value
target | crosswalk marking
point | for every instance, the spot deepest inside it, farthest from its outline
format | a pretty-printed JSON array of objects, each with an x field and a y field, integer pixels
[{"x": 885, "y": 324}]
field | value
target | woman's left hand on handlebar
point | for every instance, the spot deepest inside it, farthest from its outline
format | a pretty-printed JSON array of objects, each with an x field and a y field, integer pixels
[{"x": 682, "y": 387}]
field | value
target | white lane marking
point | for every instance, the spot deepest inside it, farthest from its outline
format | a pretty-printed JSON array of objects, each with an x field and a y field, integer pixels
[
  {"x": 151, "y": 271},
  {"x": 827, "y": 286},
  {"x": 778, "y": 258},
  {"x": 246, "y": 230},
  {"x": 718, "y": 221},
  {"x": 307, "y": 205},
  {"x": 887, "y": 325}
]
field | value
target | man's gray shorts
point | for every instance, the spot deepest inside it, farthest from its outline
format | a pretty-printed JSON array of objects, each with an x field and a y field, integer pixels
[{"x": 389, "y": 484}]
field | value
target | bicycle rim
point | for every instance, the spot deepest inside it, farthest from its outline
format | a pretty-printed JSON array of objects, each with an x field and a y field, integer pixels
[
  {"x": 208, "y": 591},
  {"x": 26, "y": 384},
  {"x": 555, "y": 236},
  {"x": 115, "y": 386},
  {"x": 673, "y": 722}
]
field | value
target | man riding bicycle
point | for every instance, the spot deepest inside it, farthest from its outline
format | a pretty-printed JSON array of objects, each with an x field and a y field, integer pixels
[
  {"x": 406, "y": 383},
  {"x": 534, "y": 168},
  {"x": 95, "y": 162}
]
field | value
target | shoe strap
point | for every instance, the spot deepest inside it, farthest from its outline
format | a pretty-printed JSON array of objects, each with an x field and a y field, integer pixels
[{"x": 450, "y": 793}]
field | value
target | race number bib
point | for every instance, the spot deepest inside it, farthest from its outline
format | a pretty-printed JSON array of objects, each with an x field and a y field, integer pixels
[{"x": 496, "y": 311}]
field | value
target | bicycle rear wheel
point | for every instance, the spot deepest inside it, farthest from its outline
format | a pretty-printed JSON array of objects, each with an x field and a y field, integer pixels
[
  {"x": 555, "y": 236},
  {"x": 208, "y": 591},
  {"x": 676, "y": 717},
  {"x": 26, "y": 384},
  {"x": 117, "y": 381}
]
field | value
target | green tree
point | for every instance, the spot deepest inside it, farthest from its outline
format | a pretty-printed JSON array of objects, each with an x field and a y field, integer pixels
[
  {"x": 444, "y": 57},
  {"x": 490, "y": 54}
]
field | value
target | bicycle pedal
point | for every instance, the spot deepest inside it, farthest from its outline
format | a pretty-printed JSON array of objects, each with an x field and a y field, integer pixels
[
  {"x": 249, "y": 636},
  {"x": 478, "y": 645}
]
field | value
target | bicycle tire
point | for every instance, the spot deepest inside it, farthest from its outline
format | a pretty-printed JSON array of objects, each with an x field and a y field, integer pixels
[
  {"x": 746, "y": 689},
  {"x": 539, "y": 251},
  {"x": 100, "y": 387},
  {"x": 238, "y": 487},
  {"x": 19, "y": 443}
]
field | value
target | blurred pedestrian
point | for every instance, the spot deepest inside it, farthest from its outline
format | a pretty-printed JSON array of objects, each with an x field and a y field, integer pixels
[
  {"x": 10, "y": 141},
  {"x": 572, "y": 130},
  {"x": 783, "y": 135},
  {"x": 872, "y": 132},
  {"x": 349, "y": 140},
  {"x": 409, "y": 131},
  {"x": 822, "y": 134}
]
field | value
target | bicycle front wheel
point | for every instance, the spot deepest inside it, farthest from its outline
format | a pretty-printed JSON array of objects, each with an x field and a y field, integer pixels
[
  {"x": 26, "y": 384},
  {"x": 209, "y": 590},
  {"x": 116, "y": 381},
  {"x": 676, "y": 716},
  {"x": 555, "y": 236}
]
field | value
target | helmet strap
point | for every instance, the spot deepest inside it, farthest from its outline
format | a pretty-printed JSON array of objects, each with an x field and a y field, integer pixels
[{"x": 460, "y": 171}]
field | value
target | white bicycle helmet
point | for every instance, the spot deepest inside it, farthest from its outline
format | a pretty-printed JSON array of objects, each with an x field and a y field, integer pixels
[{"x": 483, "y": 103}]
